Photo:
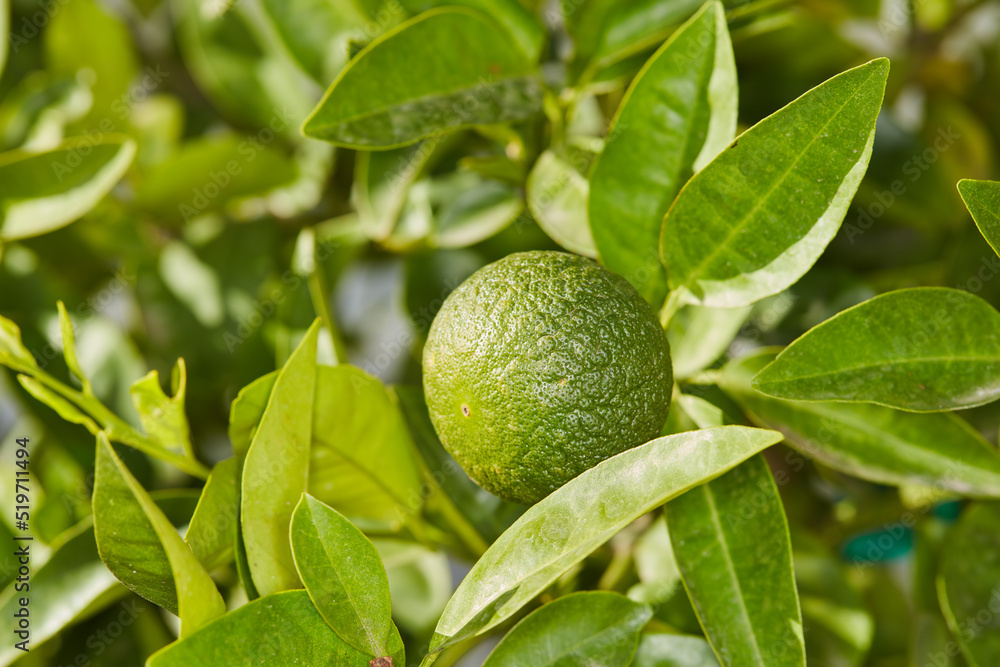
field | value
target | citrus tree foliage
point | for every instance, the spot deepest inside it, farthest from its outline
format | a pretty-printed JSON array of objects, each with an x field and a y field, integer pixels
[{"x": 226, "y": 228}]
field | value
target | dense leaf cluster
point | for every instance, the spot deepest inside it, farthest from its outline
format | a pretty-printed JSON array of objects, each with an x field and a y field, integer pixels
[{"x": 824, "y": 488}]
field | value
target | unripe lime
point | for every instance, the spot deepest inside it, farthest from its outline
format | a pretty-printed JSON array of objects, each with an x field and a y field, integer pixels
[{"x": 539, "y": 367}]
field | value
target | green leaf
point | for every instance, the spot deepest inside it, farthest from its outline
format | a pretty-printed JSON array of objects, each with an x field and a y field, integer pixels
[
  {"x": 636, "y": 25},
  {"x": 569, "y": 524},
  {"x": 756, "y": 218},
  {"x": 63, "y": 408},
  {"x": 63, "y": 589},
  {"x": 163, "y": 416},
  {"x": 41, "y": 192},
  {"x": 212, "y": 530},
  {"x": 345, "y": 579},
  {"x": 594, "y": 627},
  {"x": 982, "y": 198},
  {"x": 13, "y": 353},
  {"x": 362, "y": 462},
  {"x": 280, "y": 629},
  {"x": 730, "y": 538},
  {"x": 246, "y": 410},
  {"x": 142, "y": 548},
  {"x": 445, "y": 69},
  {"x": 207, "y": 173},
  {"x": 967, "y": 584},
  {"x": 699, "y": 336},
  {"x": 557, "y": 198},
  {"x": 925, "y": 349},
  {"x": 527, "y": 32},
  {"x": 674, "y": 651},
  {"x": 872, "y": 442},
  {"x": 69, "y": 348},
  {"x": 677, "y": 115},
  {"x": 276, "y": 470}
]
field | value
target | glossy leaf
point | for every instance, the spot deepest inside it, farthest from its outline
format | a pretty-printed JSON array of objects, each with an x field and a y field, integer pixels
[
  {"x": 755, "y": 219},
  {"x": 134, "y": 534},
  {"x": 362, "y": 462},
  {"x": 657, "y": 650},
  {"x": 41, "y": 192},
  {"x": 557, "y": 198},
  {"x": 212, "y": 530},
  {"x": 510, "y": 14},
  {"x": 566, "y": 526},
  {"x": 699, "y": 336},
  {"x": 280, "y": 629},
  {"x": 872, "y": 442},
  {"x": 445, "y": 69},
  {"x": 730, "y": 538},
  {"x": 68, "y": 585},
  {"x": 924, "y": 349},
  {"x": 967, "y": 584},
  {"x": 276, "y": 470},
  {"x": 677, "y": 115},
  {"x": 579, "y": 629},
  {"x": 345, "y": 579},
  {"x": 163, "y": 416},
  {"x": 982, "y": 198}
]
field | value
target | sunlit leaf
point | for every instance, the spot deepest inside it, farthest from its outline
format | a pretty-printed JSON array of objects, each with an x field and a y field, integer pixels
[
  {"x": 276, "y": 470},
  {"x": 923, "y": 349},
  {"x": 756, "y": 218},
  {"x": 345, "y": 579},
  {"x": 567, "y": 525}
]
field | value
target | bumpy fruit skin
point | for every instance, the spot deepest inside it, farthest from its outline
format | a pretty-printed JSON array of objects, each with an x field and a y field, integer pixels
[{"x": 539, "y": 367}]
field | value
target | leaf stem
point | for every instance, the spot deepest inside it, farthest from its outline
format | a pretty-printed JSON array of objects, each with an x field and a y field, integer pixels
[
  {"x": 317, "y": 291},
  {"x": 670, "y": 308},
  {"x": 118, "y": 429}
]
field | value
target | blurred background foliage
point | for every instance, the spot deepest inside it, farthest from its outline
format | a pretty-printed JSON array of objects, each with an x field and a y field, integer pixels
[{"x": 230, "y": 232}]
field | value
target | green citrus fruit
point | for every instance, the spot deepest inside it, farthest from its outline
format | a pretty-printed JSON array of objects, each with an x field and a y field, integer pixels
[{"x": 539, "y": 367}]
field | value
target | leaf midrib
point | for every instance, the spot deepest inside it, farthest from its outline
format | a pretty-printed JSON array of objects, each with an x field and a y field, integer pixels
[
  {"x": 731, "y": 570},
  {"x": 347, "y": 592},
  {"x": 903, "y": 362},
  {"x": 741, "y": 225}
]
